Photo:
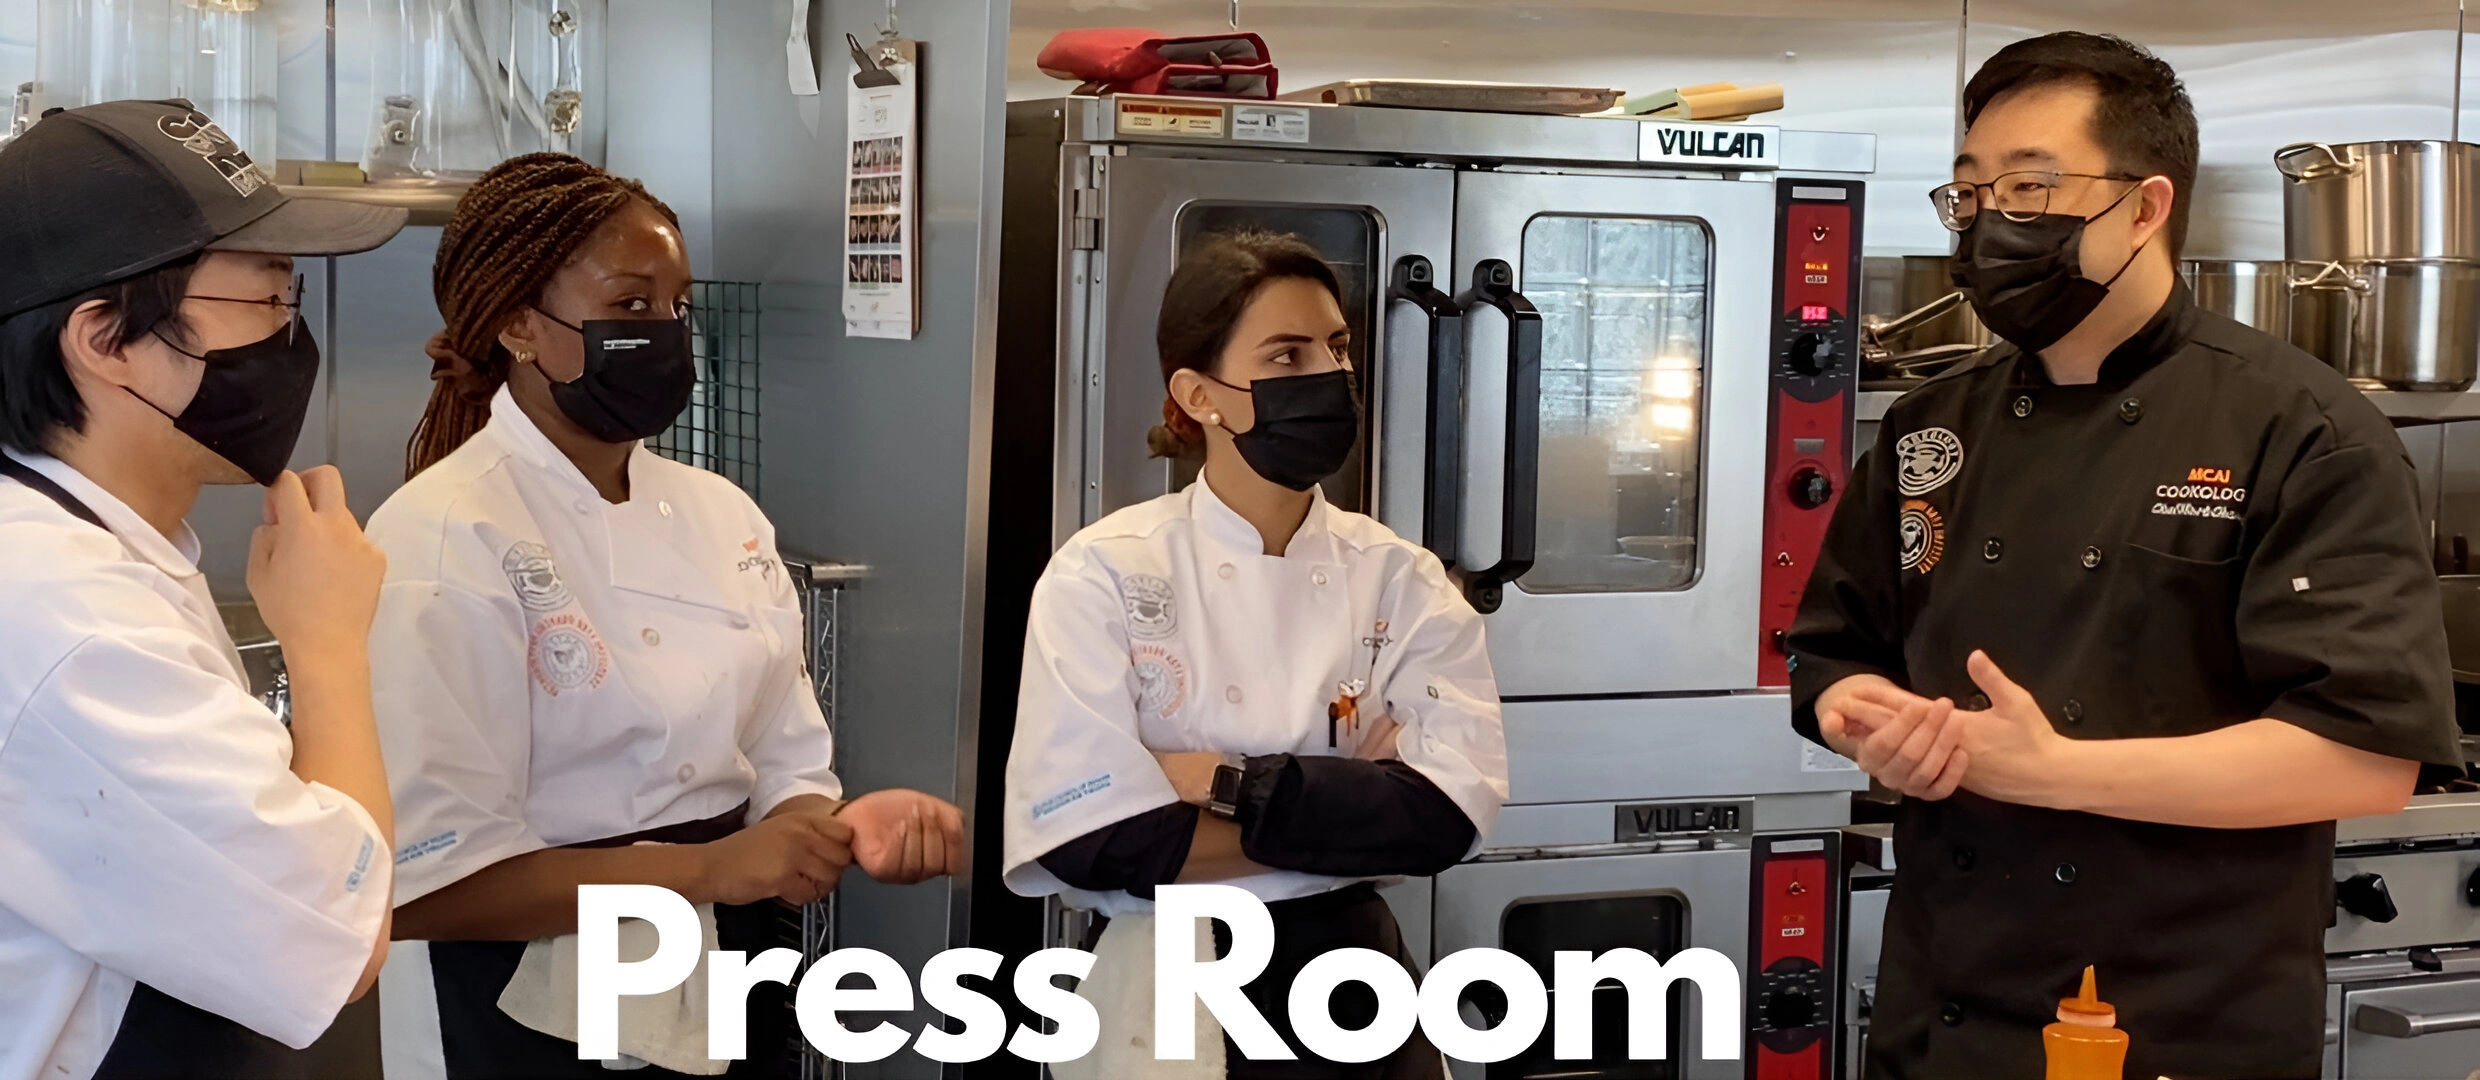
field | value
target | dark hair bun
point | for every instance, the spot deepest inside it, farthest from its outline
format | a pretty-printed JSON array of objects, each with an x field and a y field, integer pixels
[{"x": 1162, "y": 442}]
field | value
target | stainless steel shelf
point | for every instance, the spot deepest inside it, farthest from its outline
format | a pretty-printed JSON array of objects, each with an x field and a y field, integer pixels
[
  {"x": 1872, "y": 404},
  {"x": 2426, "y": 408},
  {"x": 428, "y": 205}
]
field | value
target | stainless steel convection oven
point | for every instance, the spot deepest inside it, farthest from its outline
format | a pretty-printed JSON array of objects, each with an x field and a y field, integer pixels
[{"x": 1609, "y": 376}]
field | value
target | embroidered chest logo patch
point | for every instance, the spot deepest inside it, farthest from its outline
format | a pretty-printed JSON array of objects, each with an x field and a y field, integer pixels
[
  {"x": 2205, "y": 491},
  {"x": 567, "y": 655},
  {"x": 1923, "y": 535},
  {"x": 754, "y": 559},
  {"x": 1926, "y": 459},
  {"x": 536, "y": 581},
  {"x": 1162, "y": 681},
  {"x": 1152, "y": 615}
]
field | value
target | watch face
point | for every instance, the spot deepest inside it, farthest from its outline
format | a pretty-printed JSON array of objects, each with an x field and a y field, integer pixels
[{"x": 1226, "y": 784}]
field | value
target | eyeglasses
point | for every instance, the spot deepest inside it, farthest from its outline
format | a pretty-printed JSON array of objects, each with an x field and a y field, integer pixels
[
  {"x": 289, "y": 303},
  {"x": 2021, "y": 196}
]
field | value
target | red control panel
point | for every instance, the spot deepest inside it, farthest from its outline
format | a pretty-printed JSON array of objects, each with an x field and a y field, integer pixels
[
  {"x": 1815, "y": 367},
  {"x": 1792, "y": 1015}
]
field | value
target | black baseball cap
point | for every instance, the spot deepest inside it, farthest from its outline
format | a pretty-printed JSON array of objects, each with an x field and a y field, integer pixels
[{"x": 93, "y": 195}]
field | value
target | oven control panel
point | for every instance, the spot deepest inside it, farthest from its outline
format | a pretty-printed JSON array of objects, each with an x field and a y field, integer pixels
[
  {"x": 1792, "y": 1013},
  {"x": 1815, "y": 364}
]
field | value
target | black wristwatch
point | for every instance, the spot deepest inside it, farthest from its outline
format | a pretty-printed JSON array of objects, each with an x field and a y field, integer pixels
[{"x": 1223, "y": 798}]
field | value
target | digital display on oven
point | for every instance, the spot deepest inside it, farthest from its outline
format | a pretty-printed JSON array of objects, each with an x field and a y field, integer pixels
[{"x": 1813, "y": 313}]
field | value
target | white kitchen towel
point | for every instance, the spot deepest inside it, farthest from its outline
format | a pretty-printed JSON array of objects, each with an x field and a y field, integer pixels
[
  {"x": 1121, "y": 989},
  {"x": 666, "y": 1029}
]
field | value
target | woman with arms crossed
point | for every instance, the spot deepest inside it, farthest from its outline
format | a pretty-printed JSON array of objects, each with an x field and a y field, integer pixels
[{"x": 1240, "y": 683}]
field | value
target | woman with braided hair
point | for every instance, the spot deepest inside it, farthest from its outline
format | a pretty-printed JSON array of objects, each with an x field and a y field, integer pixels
[{"x": 587, "y": 659}]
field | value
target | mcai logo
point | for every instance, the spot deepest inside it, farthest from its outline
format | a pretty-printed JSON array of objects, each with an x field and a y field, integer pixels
[{"x": 1182, "y": 984}]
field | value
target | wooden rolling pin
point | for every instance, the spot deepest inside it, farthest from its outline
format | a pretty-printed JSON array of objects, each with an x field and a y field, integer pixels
[{"x": 1709, "y": 101}]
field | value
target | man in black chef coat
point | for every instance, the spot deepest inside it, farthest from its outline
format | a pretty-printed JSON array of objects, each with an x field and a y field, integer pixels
[{"x": 2130, "y": 608}]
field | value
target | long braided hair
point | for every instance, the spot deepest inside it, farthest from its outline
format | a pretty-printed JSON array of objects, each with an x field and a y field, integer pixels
[{"x": 511, "y": 233}]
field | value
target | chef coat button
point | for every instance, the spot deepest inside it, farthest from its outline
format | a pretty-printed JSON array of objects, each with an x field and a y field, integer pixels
[
  {"x": 2073, "y": 710},
  {"x": 1992, "y": 549},
  {"x": 2092, "y": 558},
  {"x": 740, "y": 622},
  {"x": 584, "y": 506},
  {"x": 1319, "y": 577},
  {"x": 1951, "y": 1014},
  {"x": 1231, "y": 694},
  {"x": 651, "y": 638},
  {"x": 2131, "y": 410},
  {"x": 1977, "y": 702},
  {"x": 2065, "y": 873},
  {"x": 686, "y": 772},
  {"x": 2023, "y": 407},
  {"x": 1433, "y": 692},
  {"x": 663, "y": 507},
  {"x": 1224, "y": 571},
  {"x": 1964, "y": 858}
]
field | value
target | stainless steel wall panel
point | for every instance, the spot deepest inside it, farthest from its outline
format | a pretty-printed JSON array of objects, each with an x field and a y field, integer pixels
[
  {"x": 2263, "y": 75},
  {"x": 876, "y": 450},
  {"x": 384, "y": 314},
  {"x": 663, "y": 109}
]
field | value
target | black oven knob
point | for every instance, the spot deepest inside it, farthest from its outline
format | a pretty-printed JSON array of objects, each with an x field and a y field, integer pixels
[
  {"x": 2471, "y": 889},
  {"x": 1789, "y": 1008},
  {"x": 1812, "y": 353},
  {"x": 2366, "y": 896},
  {"x": 1811, "y": 488}
]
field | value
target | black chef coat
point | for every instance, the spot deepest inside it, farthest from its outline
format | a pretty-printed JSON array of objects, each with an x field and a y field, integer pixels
[{"x": 2220, "y": 529}]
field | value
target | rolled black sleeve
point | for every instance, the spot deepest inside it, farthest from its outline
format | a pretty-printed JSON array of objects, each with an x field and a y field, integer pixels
[
  {"x": 1348, "y": 817},
  {"x": 1134, "y": 854},
  {"x": 1850, "y": 620},
  {"x": 2339, "y": 620}
]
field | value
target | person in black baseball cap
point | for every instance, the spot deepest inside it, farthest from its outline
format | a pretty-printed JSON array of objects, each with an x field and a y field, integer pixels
[{"x": 192, "y": 889}]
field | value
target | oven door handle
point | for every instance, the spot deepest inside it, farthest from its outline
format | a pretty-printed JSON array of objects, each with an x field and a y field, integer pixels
[
  {"x": 1494, "y": 286},
  {"x": 1415, "y": 282},
  {"x": 2396, "y": 1023}
]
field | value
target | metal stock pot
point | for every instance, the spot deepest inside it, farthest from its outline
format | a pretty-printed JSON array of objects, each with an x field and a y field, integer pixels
[
  {"x": 2256, "y": 294},
  {"x": 2394, "y": 325},
  {"x": 2407, "y": 199}
]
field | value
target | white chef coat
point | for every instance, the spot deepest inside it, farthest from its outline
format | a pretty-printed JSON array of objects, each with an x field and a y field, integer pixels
[
  {"x": 1165, "y": 627},
  {"x": 151, "y": 828},
  {"x": 551, "y": 668}
]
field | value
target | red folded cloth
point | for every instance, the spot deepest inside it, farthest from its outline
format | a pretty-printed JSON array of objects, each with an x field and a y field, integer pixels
[{"x": 1128, "y": 60}]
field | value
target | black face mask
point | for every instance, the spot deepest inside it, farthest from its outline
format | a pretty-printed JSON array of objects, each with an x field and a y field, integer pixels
[
  {"x": 1306, "y": 426},
  {"x": 251, "y": 402},
  {"x": 2025, "y": 278},
  {"x": 638, "y": 378}
]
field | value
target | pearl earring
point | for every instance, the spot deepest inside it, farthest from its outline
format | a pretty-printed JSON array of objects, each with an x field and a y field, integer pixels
[
  {"x": 525, "y": 356},
  {"x": 1215, "y": 419}
]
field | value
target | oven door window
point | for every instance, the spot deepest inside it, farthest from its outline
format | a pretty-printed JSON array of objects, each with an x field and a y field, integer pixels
[
  {"x": 1537, "y": 932},
  {"x": 1348, "y": 238},
  {"x": 1623, "y": 303}
]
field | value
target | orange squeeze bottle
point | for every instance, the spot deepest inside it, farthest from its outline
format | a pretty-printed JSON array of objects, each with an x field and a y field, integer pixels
[{"x": 2085, "y": 1043}]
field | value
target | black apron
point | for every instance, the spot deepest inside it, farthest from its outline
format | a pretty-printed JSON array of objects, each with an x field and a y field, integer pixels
[
  {"x": 479, "y": 1042},
  {"x": 1352, "y": 917},
  {"x": 2219, "y": 529},
  {"x": 162, "y": 1037}
]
